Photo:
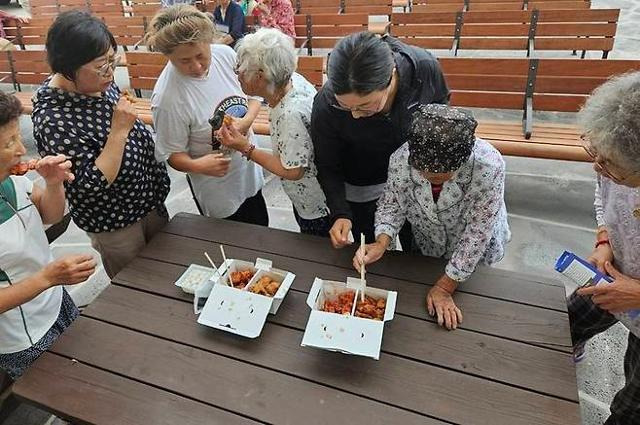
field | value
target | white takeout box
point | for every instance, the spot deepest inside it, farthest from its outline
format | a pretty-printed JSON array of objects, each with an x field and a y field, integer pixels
[
  {"x": 345, "y": 333},
  {"x": 194, "y": 277},
  {"x": 240, "y": 311}
]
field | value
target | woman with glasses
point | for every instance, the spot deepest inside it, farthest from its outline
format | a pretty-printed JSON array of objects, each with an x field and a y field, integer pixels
[
  {"x": 119, "y": 191},
  {"x": 450, "y": 187},
  {"x": 266, "y": 67},
  {"x": 194, "y": 93},
  {"x": 611, "y": 122},
  {"x": 357, "y": 124}
]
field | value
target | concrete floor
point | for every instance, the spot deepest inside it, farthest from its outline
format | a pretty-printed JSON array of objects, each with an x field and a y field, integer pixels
[{"x": 550, "y": 210}]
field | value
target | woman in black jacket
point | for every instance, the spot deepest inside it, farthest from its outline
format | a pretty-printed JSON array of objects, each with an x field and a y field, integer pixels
[{"x": 357, "y": 123}]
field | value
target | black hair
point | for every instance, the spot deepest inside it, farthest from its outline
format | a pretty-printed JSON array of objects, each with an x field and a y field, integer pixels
[
  {"x": 360, "y": 63},
  {"x": 76, "y": 38},
  {"x": 10, "y": 108}
]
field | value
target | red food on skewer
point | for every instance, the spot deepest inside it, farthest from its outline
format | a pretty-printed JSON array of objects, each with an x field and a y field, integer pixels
[{"x": 22, "y": 167}]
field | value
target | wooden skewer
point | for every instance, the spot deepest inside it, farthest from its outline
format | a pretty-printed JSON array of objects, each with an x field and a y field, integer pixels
[
  {"x": 224, "y": 257},
  {"x": 215, "y": 269},
  {"x": 364, "y": 285}
]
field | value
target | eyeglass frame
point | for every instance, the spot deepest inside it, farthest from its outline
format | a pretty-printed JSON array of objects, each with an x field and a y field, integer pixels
[
  {"x": 103, "y": 70},
  {"x": 600, "y": 162},
  {"x": 382, "y": 101}
]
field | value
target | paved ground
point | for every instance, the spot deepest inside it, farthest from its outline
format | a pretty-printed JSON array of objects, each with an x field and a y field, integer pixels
[{"x": 550, "y": 210}]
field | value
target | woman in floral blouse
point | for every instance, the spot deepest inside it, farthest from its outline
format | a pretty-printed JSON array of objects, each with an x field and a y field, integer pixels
[
  {"x": 266, "y": 67},
  {"x": 450, "y": 187},
  {"x": 119, "y": 191},
  {"x": 610, "y": 120},
  {"x": 276, "y": 14}
]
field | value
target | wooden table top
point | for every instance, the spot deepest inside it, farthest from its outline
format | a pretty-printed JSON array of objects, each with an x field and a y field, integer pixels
[{"x": 137, "y": 355}]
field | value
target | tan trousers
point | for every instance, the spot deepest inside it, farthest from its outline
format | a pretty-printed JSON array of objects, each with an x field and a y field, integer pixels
[
  {"x": 6, "y": 44},
  {"x": 119, "y": 247}
]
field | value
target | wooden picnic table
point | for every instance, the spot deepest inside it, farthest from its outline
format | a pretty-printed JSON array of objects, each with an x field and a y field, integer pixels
[{"x": 137, "y": 356}]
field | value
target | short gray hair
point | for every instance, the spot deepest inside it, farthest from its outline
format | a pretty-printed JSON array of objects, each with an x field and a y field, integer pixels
[
  {"x": 610, "y": 119},
  {"x": 268, "y": 50}
]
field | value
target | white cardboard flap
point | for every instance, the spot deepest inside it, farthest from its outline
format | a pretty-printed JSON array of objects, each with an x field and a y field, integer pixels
[
  {"x": 346, "y": 334},
  {"x": 314, "y": 292},
  {"x": 232, "y": 310},
  {"x": 231, "y": 266},
  {"x": 263, "y": 264},
  {"x": 202, "y": 293}
]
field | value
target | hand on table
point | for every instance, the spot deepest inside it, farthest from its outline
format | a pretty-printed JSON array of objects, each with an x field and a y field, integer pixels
[
  {"x": 440, "y": 304},
  {"x": 55, "y": 169},
  {"x": 339, "y": 233},
  {"x": 623, "y": 294},
  {"x": 69, "y": 270}
]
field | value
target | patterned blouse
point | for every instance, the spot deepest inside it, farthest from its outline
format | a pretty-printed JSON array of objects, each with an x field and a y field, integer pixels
[
  {"x": 467, "y": 225},
  {"x": 618, "y": 209},
  {"x": 78, "y": 126},
  {"x": 290, "y": 132},
  {"x": 280, "y": 16}
]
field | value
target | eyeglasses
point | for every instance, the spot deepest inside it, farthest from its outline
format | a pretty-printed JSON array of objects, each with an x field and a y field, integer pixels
[
  {"x": 380, "y": 104},
  {"x": 600, "y": 163},
  {"x": 109, "y": 66}
]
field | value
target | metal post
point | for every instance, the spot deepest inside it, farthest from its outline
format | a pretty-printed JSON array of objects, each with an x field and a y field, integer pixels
[
  {"x": 527, "y": 117},
  {"x": 457, "y": 32},
  {"x": 309, "y": 36},
  {"x": 533, "y": 26}
]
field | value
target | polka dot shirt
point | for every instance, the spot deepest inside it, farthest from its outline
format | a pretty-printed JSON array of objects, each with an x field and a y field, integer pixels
[{"x": 78, "y": 126}]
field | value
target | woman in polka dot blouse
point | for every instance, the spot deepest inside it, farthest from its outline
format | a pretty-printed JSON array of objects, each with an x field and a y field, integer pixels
[{"x": 119, "y": 191}]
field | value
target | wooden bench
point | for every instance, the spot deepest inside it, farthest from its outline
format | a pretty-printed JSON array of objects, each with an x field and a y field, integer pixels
[
  {"x": 128, "y": 31},
  {"x": 323, "y": 31},
  {"x": 370, "y": 7},
  {"x": 526, "y": 31},
  {"x": 33, "y": 33},
  {"x": 305, "y": 7},
  {"x": 42, "y": 8},
  {"x": 487, "y": 5},
  {"x": 146, "y": 8},
  {"x": 145, "y": 68},
  {"x": 530, "y": 85}
]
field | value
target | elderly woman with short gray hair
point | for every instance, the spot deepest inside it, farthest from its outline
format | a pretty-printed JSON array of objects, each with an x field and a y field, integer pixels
[
  {"x": 611, "y": 123},
  {"x": 266, "y": 65}
]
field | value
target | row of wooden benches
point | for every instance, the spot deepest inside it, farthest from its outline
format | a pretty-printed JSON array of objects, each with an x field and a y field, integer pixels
[
  {"x": 526, "y": 85},
  {"x": 525, "y": 31},
  {"x": 40, "y": 8}
]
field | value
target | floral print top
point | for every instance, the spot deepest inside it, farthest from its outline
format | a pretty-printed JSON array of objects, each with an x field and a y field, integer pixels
[
  {"x": 467, "y": 225},
  {"x": 618, "y": 209},
  {"x": 280, "y": 16},
  {"x": 291, "y": 137}
]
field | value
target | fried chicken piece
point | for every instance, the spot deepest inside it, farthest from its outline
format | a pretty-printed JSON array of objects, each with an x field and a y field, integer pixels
[
  {"x": 265, "y": 286},
  {"x": 129, "y": 96},
  {"x": 240, "y": 279},
  {"x": 341, "y": 305},
  {"x": 21, "y": 168},
  {"x": 371, "y": 308}
]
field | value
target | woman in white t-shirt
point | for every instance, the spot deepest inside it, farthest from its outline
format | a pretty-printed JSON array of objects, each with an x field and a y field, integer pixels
[
  {"x": 34, "y": 307},
  {"x": 197, "y": 84},
  {"x": 266, "y": 67}
]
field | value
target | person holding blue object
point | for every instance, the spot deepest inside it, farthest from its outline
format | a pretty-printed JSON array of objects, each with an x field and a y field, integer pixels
[{"x": 611, "y": 122}]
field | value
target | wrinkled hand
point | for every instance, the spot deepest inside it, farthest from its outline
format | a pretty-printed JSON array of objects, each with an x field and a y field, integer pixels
[
  {"x": 69, "y": 270},
  {"x": 124, "y": 116},
  {"x": 623, "y": 294},
  {"x": 232, "y": 137},
  {"x": 339, "y": 233},
  {"x": 600, "y": 256},
  {"x": 368, "y": 254},
  {"x": 55, "y": 169},
  {"x": 440, "y": 303},
  {"x": 214, "y": 164}
]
